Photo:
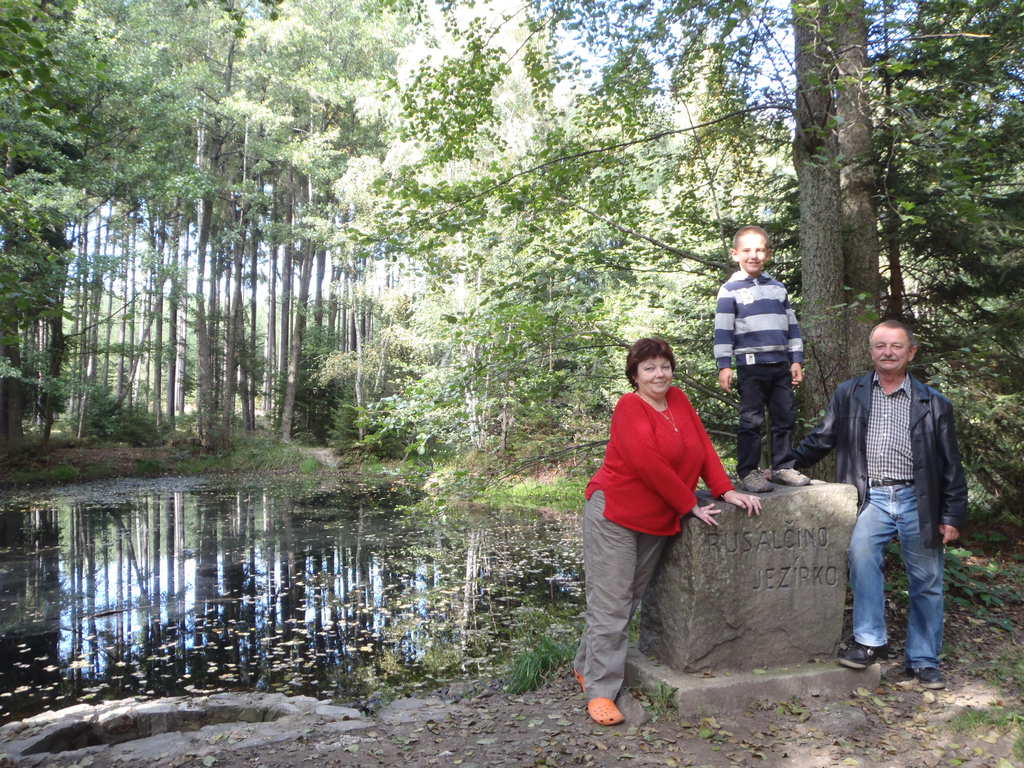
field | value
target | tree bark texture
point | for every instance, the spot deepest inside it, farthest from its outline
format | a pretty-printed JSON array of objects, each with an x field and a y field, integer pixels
[
  {"x": 858, "y": 182},
  {"x": 295, "y": 353},
  {"x": 815, "y": 157}
]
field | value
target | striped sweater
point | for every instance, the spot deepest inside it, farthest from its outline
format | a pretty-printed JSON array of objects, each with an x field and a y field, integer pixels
[{"x": 754, "y": 322}]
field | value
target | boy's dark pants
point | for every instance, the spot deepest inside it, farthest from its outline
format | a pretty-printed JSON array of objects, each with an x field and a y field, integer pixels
[{"x": 768, "y": 384}]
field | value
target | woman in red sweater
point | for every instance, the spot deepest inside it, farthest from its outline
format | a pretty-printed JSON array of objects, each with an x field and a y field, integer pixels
[{"x": 657, "y": 451}]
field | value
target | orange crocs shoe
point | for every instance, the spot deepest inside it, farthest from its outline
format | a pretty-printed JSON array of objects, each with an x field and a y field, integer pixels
[
  {"x": 604, "y": 712},
  {"x": 580, "y": 680}
]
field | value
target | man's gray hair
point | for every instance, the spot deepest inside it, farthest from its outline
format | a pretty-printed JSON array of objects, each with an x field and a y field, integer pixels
[{"x": 896, "y": 324}]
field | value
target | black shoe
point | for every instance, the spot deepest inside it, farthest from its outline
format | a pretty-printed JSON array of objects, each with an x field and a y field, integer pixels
[
  {"x": 930, "y": 677},
  {"x": 859, "y": 656}
]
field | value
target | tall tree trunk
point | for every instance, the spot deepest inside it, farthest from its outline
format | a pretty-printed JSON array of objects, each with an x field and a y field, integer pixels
[
  {"x": 286, "y": 282},
  {"x": 893, "y": 309},
  {"x": 318, "y": 301},
  {"x": 294, "y": 361},
  {"x": 158, "y": 311},
  {"x": 359, "y": 384},
  {"x": 233, "y": 328},
  {"x": 213, "y": 322},
  {"x": 204, "y": 404},
  {"x": 123, "y": 335},
  {"x": 254, "y": 275},
  {"x": 858, "y": 182},
  {"x": 136, "y": 360},
  {"x": 12, "y": 395},
  {"x": 333, "y": 304},
  {"x": 109, "y": 320},
  {"x": 55, "y": 360},
  {"x": 270, "y": 373},
  {"x": 815, "y": 157},
  {"x": 183, "y": 335},
  {"x": 93, "y": 336},
  {"x": 172, "y": 323}
]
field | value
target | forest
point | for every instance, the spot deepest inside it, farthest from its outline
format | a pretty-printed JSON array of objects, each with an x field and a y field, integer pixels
[{"x": 406, "y": 228}]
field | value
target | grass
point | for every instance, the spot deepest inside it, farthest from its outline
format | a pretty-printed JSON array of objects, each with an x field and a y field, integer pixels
[
  {"x": 563, "y": 494},
  {"x": 661, "y": 700},
  {"x": 250, "y": 454},
  {"x": 1000, "y": 718},
  {"x": 1007, "y": 672},
  {"x": 62, "y": 473},
  {"x": 533, "y": 666},
  {"x": 990, "y": 717},
  {"x": 148, "y": 467}
]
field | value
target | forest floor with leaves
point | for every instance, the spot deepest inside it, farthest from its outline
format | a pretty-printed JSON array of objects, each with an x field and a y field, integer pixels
[
  {"x": 70, "y": 462},
  {"x": 976, "y": 721}
]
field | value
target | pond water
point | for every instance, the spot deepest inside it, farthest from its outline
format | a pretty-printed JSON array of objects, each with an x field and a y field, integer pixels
[{"x": 161, "y": 588}]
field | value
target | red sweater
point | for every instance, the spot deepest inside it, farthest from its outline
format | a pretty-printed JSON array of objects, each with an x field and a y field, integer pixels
[{"x": 650, "y": 471}]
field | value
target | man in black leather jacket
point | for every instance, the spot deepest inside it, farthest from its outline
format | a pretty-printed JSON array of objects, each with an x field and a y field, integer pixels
[{"x": 895, "y": 440}]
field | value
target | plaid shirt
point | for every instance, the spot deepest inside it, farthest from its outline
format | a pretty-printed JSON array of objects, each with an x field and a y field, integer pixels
[{"x": 888, "y": 440}]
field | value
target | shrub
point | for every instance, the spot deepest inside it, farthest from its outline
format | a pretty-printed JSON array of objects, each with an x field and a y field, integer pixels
[{"x": 106, "y": 420}]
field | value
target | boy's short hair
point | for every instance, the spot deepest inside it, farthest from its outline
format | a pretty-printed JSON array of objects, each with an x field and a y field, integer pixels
[
  {"x": 751, "y": 228},
  {"x": 647, "y": 349}
]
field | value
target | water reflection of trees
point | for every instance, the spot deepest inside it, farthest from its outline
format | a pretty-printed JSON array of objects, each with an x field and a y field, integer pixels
[{"x": 200, "y": 592}]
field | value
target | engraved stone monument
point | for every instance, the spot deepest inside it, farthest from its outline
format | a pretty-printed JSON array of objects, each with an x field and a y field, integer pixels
[{"x": 754, "y": 592}]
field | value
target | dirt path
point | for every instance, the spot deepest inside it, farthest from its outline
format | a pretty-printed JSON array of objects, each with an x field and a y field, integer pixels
[{"x": 325, "y": 456}]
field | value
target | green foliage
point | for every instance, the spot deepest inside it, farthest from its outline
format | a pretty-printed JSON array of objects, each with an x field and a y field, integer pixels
[
  {"x": 990, "y": 424},
  {"x": 62, "y": 473},
  {"x": 984, "y": 587},
  {"x": 344, "y": 432},
  {"x": 562, "y": 494},
  {"x": 146, "y": 467},
  {"x": 451, "y": 103},
  {"x": 532, "y": 667},
  {"x": 26, "y": 57},
  {"x": 661, "y": 700},
  {"x": 250, "y": 453},
  {"x": 110, "y": 421}
]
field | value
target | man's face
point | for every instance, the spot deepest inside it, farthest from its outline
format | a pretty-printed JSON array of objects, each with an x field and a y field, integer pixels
[
  {"x": 751, "y": 253},
  {"x": 891, "y": 351}
]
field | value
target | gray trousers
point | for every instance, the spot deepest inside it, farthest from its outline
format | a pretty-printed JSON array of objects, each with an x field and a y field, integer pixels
[{"x": 619, "y": 564}]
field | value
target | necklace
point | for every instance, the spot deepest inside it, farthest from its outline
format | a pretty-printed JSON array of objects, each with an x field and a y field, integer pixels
[{"x": 667, "y": 413}]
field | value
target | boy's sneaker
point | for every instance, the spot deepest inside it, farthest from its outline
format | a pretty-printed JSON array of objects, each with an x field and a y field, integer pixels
[
  {"x": 859, "y": 656},
  {"x": 930, "y": 677},
  {"x": 790, "y": 476},
  {"x": 755, "y": 482}
]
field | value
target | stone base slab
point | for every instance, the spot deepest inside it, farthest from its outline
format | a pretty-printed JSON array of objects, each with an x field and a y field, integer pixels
[{"x": 735, "y": 691}]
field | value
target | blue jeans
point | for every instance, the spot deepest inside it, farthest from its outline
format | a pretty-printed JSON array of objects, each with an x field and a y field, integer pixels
[{"x": 892, "y": 511}]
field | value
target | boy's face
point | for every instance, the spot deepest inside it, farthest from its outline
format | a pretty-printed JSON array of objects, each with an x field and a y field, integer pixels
[{"x": 751, "y": 253}]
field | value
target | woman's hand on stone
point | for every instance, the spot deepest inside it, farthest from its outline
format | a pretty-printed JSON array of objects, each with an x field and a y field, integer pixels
[
  {"x": 706, "y": 514},
  {"x": 750, "y": 503}
]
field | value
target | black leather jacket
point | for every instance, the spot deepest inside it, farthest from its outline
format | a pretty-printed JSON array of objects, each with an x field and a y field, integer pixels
[{"x": 938, "y": 473}]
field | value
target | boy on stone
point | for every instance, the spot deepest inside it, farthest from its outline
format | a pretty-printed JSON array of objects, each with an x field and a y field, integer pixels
[{"x": 754, "y": 323}]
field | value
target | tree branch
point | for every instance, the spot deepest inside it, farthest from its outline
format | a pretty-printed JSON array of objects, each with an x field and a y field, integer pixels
[
  {"x": 607, "y": 148},
  {"x": 640, "y": 235}
]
